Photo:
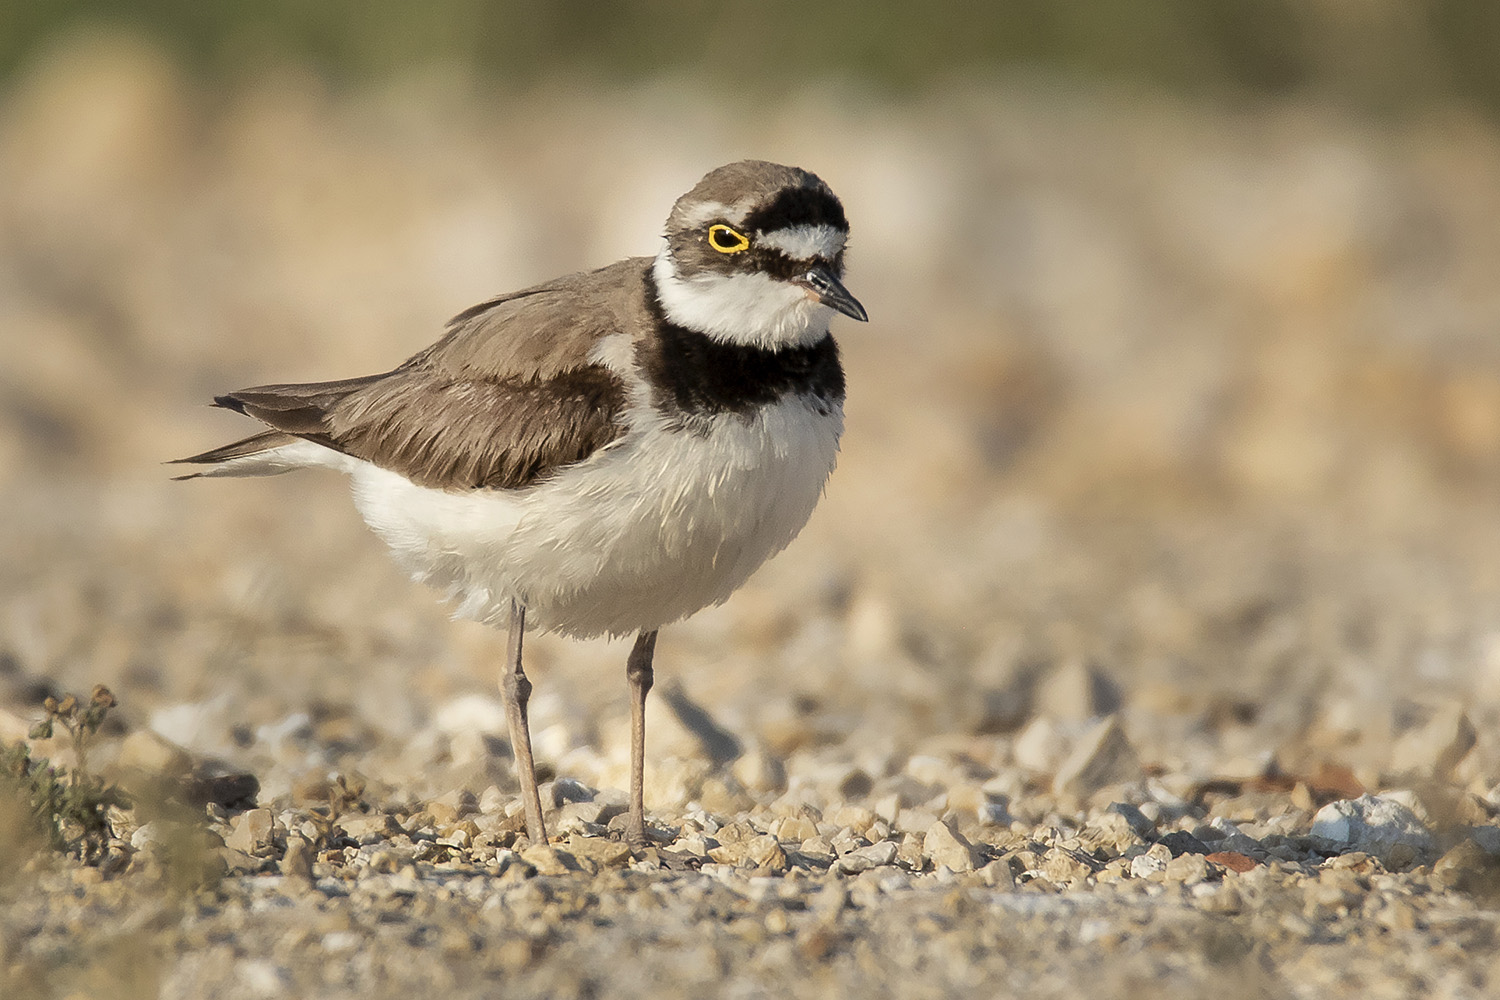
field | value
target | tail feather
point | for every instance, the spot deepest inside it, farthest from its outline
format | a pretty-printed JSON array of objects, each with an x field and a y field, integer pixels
[
  {"x": 269, "y": 453},
  {"x": 254, "y": 446},
  {"x": 300, "y": 409},
  {"x": 298, "y": 438}
]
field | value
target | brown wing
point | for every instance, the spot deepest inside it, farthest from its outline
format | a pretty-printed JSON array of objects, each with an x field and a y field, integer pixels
[
  {"x": 506, "y": 398},
  {"x": 545, "y": 330}
]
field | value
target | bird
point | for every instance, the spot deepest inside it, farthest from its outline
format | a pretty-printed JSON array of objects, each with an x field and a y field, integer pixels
[{"x": 606, "y": 453}]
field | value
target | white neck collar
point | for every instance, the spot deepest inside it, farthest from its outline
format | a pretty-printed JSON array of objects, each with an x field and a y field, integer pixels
[{"x": 751, "y": 310}]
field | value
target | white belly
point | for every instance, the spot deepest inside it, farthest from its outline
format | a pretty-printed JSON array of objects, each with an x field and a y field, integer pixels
[{"x": 653, "y": 528}]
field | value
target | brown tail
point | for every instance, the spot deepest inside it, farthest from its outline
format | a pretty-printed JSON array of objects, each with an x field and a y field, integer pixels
[
  {"x": 292, "y": 411},
  {"x": 299, "y": 409}
]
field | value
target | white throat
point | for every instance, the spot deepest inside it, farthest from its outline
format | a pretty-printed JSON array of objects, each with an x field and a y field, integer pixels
[{"x": 752, "y": 310}]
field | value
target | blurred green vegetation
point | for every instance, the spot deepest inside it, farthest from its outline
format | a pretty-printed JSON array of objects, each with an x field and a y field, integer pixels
[{"x": 1375, "y": 53}]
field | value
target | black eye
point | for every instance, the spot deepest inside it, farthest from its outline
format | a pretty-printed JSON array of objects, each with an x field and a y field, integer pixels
[{"x": 726, "y": 240}]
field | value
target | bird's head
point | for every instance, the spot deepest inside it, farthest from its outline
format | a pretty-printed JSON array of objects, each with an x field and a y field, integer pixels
[{"x": 754, "y": 255}]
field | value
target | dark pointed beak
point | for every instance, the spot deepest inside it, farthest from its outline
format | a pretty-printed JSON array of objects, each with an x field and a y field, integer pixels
[{"x": 831, "y": 292}]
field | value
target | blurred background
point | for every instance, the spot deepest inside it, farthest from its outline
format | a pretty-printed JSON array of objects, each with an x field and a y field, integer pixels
[{"x": 1181, "y": 394}]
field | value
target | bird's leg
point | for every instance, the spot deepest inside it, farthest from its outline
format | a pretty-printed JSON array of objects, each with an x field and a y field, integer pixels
[
  {"x": 515, "y": 691},
  {"x": 638, "y": 671}
]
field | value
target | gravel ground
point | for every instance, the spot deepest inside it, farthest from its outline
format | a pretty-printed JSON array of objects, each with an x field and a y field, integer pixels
[{"x": 1148, "y": 638}]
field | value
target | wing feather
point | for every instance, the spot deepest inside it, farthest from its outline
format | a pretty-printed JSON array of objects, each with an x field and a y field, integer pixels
[{"x": 508, "y": 396}]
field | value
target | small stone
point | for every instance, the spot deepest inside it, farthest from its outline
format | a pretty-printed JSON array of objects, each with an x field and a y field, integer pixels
[
  {"x": 846, "y": 841},
  {"x": 240, "y": 863},
  {"x": 603, "y": 853},
  {"x": 548, "y": 860},
  {"x": 997, "y": 875},
  {"x": 203, "y": 787},
  {"x": 1373, "y": 824},
  {"x": 864, "y": 858},
  {"x": 777, "y": 922},
  {"x": 1233, "y": 860},
  {"x": 794, "y": 828},
  {"x": 723, "y": 797},
  {"x": 910, "y": 853},
  {"x": 1238, "y": 843},
  {"x": 87, "y": 876},
  {"x": 297, "y": 862},
  {"x": 1224, "y": 899},
  {"x": 1435, "y": 748},
  {"x": 463, "y": 801},
  {"x": 1025, "y": 860},
  {"x": 1354, "y": 860},
  {"x": 370, "y": 828},
  {"x": 1113, "y": 832},
  {"x": 731, "y": 853},
  {"x": 492, "y": 801},
  {"x": 1138, "y": 820},
  {"x": 1063, "y": 867},
  {"x": 1153, "y": 861},
  {"x": 1076, "y": 689},
  {"x": 442, "y": 814},
  {"x": 1104, "y": 756},
  {"x": 556, "y": 794},
  {"x": 253, "y": 831},
  {"x": 930, "y": 770},
  {"x": 144, "y": 836},
  {"x": 734, "y": 832},
  {"x": 385, "y": 862},
  {"x": 310, "y": 788},
  {"x": 592, "y": 811},
  {"x": 459, "y": 835},
  {"x": 1180, "y": 842},
  {"x": 515, "y": 955},
  {"x": 471, "y": 713},
  {"x": 829, "y": 901},
  {"x": 915, "y": 820},
  {"x": 430, "y": 850},
  {"x": 1043, "y": 745},
  {"x": 144, "y": 750},
  {"x": 760, "y": 771},
  {"x": 856, "y": 818},
  {"x": 1487, "y": 837},
  {"x": 1188, "y": 869},
  {"x": 856, "y": 784},
  {"x": 946, "y": 847},
  {"x": 1469, "y": 868},
  {"x": 1397, "y": 915},
  {"x": 968, "y": 799},
  {"x": 765, "y": 852},
  {"x": 696, "y": 845},
  {"x": 818, "y": 847}
]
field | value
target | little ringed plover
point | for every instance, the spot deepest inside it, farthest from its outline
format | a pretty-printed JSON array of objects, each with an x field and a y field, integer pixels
[{"x": 605, "y": 453}]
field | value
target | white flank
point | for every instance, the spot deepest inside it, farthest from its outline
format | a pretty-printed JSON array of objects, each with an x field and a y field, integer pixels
[
  {"x": 805, "y": 242},
  {"x": 658, "y": 525},
  {"x": 754, "y": 310}
]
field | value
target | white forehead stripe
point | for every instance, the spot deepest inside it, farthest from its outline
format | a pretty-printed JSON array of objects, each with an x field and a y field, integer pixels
[
  {"x": 705, "y": 212},
  {"x": 805, "y": 242}
]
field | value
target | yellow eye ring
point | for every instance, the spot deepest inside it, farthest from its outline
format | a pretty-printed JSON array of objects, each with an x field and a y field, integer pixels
[{"x": 726, "y": 240}]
